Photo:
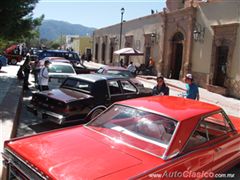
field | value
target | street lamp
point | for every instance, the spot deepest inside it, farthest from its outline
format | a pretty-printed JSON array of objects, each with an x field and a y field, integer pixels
[{"x": 122, "y": 12}]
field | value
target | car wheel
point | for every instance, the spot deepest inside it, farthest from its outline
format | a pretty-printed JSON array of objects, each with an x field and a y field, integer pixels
[
  {"x": 95, "y": 113},
  {"x": 14, "y": 61}
]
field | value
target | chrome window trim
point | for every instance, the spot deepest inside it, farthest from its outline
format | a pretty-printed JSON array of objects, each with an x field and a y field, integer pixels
[
  {"x": 228, "y": 120},
  {"x": 170, "y": 144},
  {"x": 119, "y": 85},
  {"x": 137, "y": 90},
  {"x": 201, "y": 119}
]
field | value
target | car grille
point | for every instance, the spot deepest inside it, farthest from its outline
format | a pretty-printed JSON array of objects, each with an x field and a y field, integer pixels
[{"x": 19, "y": 169}]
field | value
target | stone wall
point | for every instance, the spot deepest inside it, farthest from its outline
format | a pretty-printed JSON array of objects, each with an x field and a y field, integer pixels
[
  {"x": 200, "y": 78},
  {"x": 234, "y": 87}
]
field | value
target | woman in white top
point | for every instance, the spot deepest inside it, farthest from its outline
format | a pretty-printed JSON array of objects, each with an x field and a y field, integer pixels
[{"x": 43, "y": 77}]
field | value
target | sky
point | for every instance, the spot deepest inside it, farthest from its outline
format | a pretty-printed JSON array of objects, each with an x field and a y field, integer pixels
[{"x": 96, "y": 13}]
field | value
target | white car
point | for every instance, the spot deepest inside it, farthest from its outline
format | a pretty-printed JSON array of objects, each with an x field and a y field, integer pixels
[
  {"x": 119, "y": 71},
  {"x": 58, "y": 71}
]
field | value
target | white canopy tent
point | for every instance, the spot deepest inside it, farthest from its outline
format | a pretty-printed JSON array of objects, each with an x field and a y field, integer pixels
[{"x": 128, "y": 52}]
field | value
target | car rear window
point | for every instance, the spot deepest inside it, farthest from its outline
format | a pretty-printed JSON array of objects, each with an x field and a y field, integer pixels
[
  {"x": 54, "y": 68},
  {"x": 78, "y": 84},
  {"x": 120, "y": 73}
]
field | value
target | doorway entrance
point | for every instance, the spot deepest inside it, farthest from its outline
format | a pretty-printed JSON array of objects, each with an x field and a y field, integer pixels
[
  {"x": 221, "y": 65},
  {"x": 111, "y": 54},
  {"x": 177, "y": 52},
  {"x": 103, "y": 52},
  {"x": 147, "y": 55},
  {"x": 96, "y": 52}
]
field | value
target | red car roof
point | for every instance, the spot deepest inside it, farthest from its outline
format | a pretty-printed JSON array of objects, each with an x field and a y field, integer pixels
[{"x": 177, "y": 108}]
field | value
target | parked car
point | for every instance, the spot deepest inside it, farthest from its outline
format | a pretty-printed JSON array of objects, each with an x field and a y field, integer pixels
[
  {"x": 58, "y": 72},
  {"x": 158, "y": 136},
  {"x": 83, "y": 95},
  {"x": 59, "y": 69},
  {"x": 40, "y": 63},
  {"x": 119, "y": 71},
  {"x": 69, "y": 55},
  {"x": 82, "y": 69}
]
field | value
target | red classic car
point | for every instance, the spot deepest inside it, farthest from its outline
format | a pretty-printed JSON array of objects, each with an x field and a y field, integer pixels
[{"x": 143, "y": 138}]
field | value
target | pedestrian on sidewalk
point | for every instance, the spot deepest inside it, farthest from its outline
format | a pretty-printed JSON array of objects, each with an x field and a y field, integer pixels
[
  {"x": 151, "y": 65},
  {"x": 161, "y": 87},
  {"x": 43, "y": 77},
  {"x": 26, "y": 68},
  {"x": 121, "y": 63},
  {"x": 192, "y": 89},
  {"x": 132, "y": 68}
]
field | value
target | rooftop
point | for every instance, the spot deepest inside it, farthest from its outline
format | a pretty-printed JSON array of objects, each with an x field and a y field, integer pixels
[{"x": 174, "y": 107}]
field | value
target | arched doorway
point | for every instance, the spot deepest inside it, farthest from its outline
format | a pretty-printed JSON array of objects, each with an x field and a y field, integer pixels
[
  {"x": 96, "y": 52},
  {"x": 111, "y": 53},
  {"x": 220, "y": 72},
  {"x": 103, "y": 52},
  {"x": 177, "y": 53}
]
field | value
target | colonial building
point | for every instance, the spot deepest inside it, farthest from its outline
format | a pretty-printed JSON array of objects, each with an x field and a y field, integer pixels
[
  {"x": 80, "y": 44},
  {"x": 201, "y": 37}
]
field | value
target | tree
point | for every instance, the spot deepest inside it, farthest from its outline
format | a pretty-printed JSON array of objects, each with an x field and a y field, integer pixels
[{"x": 16, "y": 19}]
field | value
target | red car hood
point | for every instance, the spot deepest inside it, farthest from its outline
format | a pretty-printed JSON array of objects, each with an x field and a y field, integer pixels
[
  {"x": 79, "y": 153},
  {"x": 65, "y": 95}
]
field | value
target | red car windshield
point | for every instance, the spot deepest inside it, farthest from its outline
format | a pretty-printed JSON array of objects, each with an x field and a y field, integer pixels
[{"x": 146, "y": 131}]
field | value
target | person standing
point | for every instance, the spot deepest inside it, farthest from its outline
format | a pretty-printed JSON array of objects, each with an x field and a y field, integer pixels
[
  {"x": 161, "y": 88},
  {"x": 192, "y": 91},
  {"x": 151, "y": 65},
  {"x": 26, "y": 68},
  {"x": 132, "y": 68},
  {"x": 121, "y": 63},
  {"x": 43, "y": 77}
]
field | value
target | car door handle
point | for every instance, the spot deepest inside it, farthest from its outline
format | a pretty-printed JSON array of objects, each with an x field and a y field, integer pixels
[{"x": 218, "y": 149}]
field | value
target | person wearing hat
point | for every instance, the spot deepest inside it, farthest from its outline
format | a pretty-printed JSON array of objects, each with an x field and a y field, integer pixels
[
  {"x": 192, "y": 89},
  {"x": 43, "y": 77},
  {"x": 161, "y": 88}
]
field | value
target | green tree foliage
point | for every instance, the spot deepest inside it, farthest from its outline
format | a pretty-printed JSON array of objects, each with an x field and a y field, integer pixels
[
  {"x": 55, "y": 45},
  {"x": 16, "y": 19}
]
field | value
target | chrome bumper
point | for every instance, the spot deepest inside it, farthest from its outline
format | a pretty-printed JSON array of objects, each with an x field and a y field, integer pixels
[{"x": 51, "y": 116}]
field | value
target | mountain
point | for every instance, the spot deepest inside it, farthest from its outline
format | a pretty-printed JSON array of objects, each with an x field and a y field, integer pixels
[{"x": 52, "y": 29}]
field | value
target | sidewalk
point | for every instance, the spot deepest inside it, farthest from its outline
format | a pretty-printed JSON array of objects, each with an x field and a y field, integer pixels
[
  {"x": 230, "y": 105},
  {"x": 10, "y": 103}
]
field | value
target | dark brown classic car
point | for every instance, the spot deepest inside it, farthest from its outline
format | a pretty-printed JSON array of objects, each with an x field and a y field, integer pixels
[{"x": 82, "y": 97}]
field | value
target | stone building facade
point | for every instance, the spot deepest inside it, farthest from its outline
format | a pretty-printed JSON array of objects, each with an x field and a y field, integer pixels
[{"x": 201, "y": 37}]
